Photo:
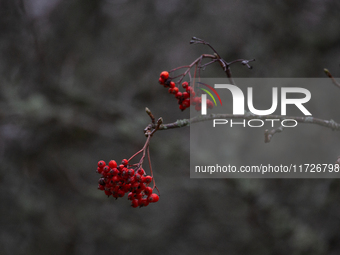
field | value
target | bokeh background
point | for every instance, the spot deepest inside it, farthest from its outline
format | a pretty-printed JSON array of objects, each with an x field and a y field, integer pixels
[{"x": 75, "y": 78}]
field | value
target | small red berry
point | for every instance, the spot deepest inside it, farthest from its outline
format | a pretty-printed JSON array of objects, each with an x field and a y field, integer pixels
[
  {"x": 106, "y": 169},
  {"x": 131, "y": 172},
  {"x": 130, "y": 196},
  {"x": 148, "y": 191},
  {"x": 146, "y": 179},
  {"x": 181, "y": 107},
  {"x": 138, "y": 177},
  {"x": 186, "y": 103},
  {"x": 171, "y": 90},
  {"x": 115, "y": 179},
  {"x": 143, "y": 202},
  {"x": 101, "y": 181},
  {"x": 101, "y": 163},
  {"x": 186, "y": 95},
  {"x": 135, "y": 185},
  {"x": 174, "y": 90},
  {"x": 107, "y": 192},
  {"x": 125, "y": 162},
  {"x": 112, "y": 164},
  {"x": 114, "y": 171},
  {"x": 164, "y": 75},
  {"x": 153, "y": 198},
  {"x": 134, "y": 203},
  {"x": 178, "y": 95},
  {"x": 210, "y": 104},
  {"x": 121, "y": 193},
  {"x": 185, "y": 84},
  {"x": 161, "y": 81},
  {"x": 196, "y": 100},
  {"x": 172, "y": 84},
  {"x": 141, "y": 171}
]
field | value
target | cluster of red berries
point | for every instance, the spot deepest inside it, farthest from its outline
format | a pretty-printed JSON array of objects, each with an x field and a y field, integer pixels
[
  {"x": 117, "y": 180},
  {"x": 186, "y": 98}
]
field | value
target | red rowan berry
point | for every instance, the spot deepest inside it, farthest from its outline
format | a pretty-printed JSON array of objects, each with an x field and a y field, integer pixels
[
  {"x": 210, "y": 104},
  {"x": 153, "y": 198},
  {"x": 134, "y": 203},
  {"x": 138, "y": 196},
  {"x": 115, "y": 179},
  {"x": 125, "y": 162},
  {"x": 138, "y": 177},
  {"x": 147, "y": 179},
  {"x": 121, "y": 193},
  {"x": 161, "y": 81},
  {"x": 148, "y": 191},
  {"x": 185, "y": 84},
  {"x": 112, "y": 164},
  {"x": 164, "y": 75},
  {"x": 186, "y": 103},
  {"x": 143, "y": 202},
  {"x": 107, "y": 192},
  {"x": 141, "y": 186},
  {"x": 196, "y": 100},
  {"x": 127, "y": 188},
  {"x": 130, "y": 196},
  {"x": 174, "y": 90},
  {"x": 178, "y": 95},
  {"x": 135, "y": 185},
  {"x": 101, "y": 181},
  {"x": 141, "y": 171},
  {"x": 172, "y": 84},
  {"x": 171, "y": 90},
  {"x": 101, "y": 163},
  {"x": 130, "y": 179},
  {"x": 181, "y": 107},
  {"x": 114, "y": 171},
  {"x": 186, "y": 95}
]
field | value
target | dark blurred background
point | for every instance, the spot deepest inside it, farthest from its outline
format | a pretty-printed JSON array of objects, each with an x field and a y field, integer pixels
[{"x": 75, "y": 78}]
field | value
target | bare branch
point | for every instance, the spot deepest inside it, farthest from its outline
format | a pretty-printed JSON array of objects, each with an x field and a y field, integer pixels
[
  {"x": 150, "y": 115},
  {"x": 309, "y": 120},
  {"x": 268, "y": 135},
  {"x": 332, "y": 78}
]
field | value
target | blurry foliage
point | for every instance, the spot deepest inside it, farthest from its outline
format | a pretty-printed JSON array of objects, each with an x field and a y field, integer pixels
[{"x": 75, "y": 78}]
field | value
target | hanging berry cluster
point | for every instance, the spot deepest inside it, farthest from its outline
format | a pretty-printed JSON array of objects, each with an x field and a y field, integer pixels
[
  {"x": 117, "y": 180},
  {"x": 185, "y": 98},
  {"x": 189, "y": 97}
]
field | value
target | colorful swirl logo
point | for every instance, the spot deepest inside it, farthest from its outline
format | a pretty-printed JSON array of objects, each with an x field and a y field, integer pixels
[{"x": 209, "y": 93}]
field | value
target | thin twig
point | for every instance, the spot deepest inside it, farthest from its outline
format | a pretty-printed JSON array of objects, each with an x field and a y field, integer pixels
[
  {"x": 268, "y": 135},
  {"x": 332, "y": 78},
  {"x": 310, "y": 120},
  {"x": 150, "y": 115}
]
